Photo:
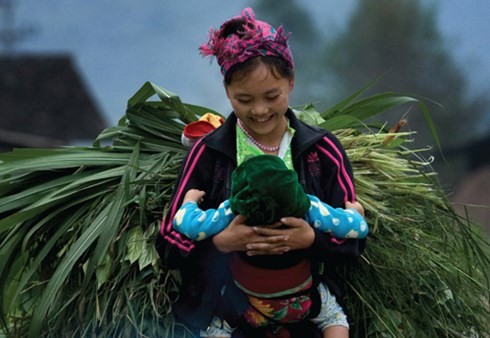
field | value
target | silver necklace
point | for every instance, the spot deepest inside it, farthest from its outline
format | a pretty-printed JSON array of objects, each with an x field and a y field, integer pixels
[{"x": 257, "y": 143}]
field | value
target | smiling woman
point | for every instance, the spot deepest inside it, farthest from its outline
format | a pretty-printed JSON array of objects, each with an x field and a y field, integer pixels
[
  {"x": 260, "y": 101},
  {"x": 257, "y": 66}
]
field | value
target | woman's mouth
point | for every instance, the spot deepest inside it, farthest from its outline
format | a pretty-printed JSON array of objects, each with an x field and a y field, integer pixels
[{"x": 262, "y": 119}]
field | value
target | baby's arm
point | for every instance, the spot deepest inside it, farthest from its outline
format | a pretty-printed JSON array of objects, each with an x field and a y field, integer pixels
[
  {"x": 198, "y": 224},
  {"x": 342, "y": 223}
]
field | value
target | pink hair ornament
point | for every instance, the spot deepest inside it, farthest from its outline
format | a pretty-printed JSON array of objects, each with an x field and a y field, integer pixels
[{"x": 250, "y": 38}]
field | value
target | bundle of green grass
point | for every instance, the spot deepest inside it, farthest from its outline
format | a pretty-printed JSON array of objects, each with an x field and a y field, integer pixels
[{"x": 78, "y": 227}]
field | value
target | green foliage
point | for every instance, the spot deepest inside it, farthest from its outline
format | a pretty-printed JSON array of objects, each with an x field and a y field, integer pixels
[
  {"x": 78, "y": 226},
  {"x": 425, "y": 269},
  {"x": 79, "y": 223}
]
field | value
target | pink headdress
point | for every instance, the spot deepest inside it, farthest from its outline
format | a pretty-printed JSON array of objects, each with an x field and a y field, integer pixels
[{"x": 254, "y": 38}]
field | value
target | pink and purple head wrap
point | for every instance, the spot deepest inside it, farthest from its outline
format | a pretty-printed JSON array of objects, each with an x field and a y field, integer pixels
[{"x": 251, "y": 38}]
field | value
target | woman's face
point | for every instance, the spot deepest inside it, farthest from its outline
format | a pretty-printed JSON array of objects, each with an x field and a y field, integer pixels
[{"x": 260, "y": 100}]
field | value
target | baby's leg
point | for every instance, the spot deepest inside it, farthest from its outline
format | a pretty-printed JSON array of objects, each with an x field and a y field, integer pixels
[
  {"x": 335, "y": 331},
  {"x": 331, "y": 320}
]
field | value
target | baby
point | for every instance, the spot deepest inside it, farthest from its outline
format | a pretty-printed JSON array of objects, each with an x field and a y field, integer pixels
[{"x": 265, "y": 190}]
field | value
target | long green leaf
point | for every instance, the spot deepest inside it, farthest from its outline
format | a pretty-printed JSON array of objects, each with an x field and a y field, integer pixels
[
  {"x": 114, "y": 216},
  {"x": 50, "y": 295}
]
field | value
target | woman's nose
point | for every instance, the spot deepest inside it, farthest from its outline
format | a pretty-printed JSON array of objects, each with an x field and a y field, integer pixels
[{"x": 260, "y": 109}]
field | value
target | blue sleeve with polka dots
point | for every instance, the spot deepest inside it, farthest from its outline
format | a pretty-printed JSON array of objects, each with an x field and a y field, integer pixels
[
  {"x": 198, "y": 224},
  {"x": 341, "y": 223}
]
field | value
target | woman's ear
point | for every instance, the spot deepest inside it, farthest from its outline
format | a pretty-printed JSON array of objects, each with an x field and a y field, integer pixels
[{"x": 291, "y": 83}]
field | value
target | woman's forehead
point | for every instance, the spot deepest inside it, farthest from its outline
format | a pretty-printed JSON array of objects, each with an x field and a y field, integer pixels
[{"x": 260, "y": 76}]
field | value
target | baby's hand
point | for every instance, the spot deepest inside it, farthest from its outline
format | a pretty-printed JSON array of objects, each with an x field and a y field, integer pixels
[
  {"x": 356, "y": 205},
  {"x": 194, "y": 195}
]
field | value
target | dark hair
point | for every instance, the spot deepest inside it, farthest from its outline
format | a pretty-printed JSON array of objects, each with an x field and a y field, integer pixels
[{"x": 277, "y": 66}]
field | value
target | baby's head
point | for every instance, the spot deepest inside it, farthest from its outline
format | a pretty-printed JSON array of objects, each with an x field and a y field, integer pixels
[
  {"x": 243, "y": 42},
  {"x": 264, "y": 190}
]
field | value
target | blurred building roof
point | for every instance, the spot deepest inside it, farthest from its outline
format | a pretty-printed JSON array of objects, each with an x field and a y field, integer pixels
[{"x": 44, "y": 102}]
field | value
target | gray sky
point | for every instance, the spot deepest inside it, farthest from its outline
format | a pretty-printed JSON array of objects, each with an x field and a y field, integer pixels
[{"x": 118, "y": 45}]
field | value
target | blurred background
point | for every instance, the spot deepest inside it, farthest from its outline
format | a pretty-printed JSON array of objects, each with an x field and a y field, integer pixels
[{"x": 67, "y": 68}]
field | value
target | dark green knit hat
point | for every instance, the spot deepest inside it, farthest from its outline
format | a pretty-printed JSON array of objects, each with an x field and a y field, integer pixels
[{"x": 264, "y": 190}]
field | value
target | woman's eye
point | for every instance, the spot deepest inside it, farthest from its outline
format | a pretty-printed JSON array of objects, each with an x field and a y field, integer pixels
[
  {"x": 273, "y": 98},
  {"x": 244, "y": 101}
]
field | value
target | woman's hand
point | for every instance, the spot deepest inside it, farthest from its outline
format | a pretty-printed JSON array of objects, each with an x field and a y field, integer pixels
[
  {"x": 270, "y": 240},
  {"x": 238, "y": 236},
  {"x": 234, "y": 237}
]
